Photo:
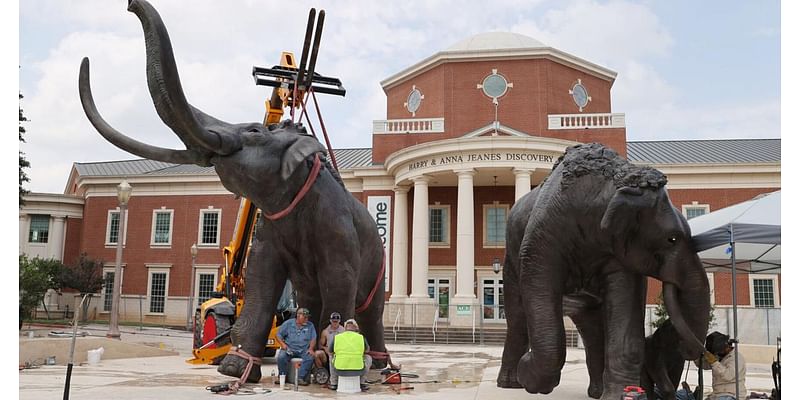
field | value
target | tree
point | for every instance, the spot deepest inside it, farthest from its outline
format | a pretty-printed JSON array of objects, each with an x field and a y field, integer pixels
[
  {"x": 662, "y": 315},
  {"x": 36, "y": 276},
  {"x": 86, "y": 277},
  {"x": 23, "y": 163}
]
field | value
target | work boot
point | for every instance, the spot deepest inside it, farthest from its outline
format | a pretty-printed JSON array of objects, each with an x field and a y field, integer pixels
[{"x": 303, "y": 382}]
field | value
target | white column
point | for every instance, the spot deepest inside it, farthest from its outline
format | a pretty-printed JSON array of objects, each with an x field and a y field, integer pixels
[
  {"x": 465, "y": 237},
  {"x": 522, "y": 182},
  {"x": 419, "y": 240},
  {"x": 55, "y": 240},
  {"x": 400, "y": 246},
  {"x": 23, "y": 233}
]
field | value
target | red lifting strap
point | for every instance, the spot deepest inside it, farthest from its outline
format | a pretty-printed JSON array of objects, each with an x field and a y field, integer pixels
[
  {"x": 312, "y": 177},
  {"x": 367, "y": 302}
]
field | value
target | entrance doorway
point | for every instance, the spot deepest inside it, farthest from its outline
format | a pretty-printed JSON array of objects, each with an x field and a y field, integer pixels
[
  {"x": 493, "y": 310},
  {"x": 439, "y": 288}
]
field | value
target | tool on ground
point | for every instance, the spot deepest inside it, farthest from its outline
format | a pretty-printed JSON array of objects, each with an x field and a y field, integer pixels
[
  {"x": 72, "y": 346},
  {"x": 633, "y": 393}
]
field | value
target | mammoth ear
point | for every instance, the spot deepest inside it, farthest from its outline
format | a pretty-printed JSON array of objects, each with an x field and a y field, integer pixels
[
  {"x": 298, "y": 151},
  {"x": 625, "y": 204}
]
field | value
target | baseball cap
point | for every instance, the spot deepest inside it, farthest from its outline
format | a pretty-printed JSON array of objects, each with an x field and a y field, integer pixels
[
  {"x": 303, "y": 311},
  {"x": 351, "y": 321},
  {"x": 336, "y": 316}
]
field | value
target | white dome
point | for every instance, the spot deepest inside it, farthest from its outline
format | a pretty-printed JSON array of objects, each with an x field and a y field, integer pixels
[{"x": 496, "y": 41}]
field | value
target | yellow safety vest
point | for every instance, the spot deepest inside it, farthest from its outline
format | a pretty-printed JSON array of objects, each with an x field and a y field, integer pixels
[{"x": 348, "y": 351}]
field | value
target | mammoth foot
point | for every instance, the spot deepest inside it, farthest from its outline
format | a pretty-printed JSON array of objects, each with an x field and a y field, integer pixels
[
  {"x": 533, "y": 378},
  {"x": 234, "y": 366},
  {"x": 595, "y": 390},
  {"x": 507, "y": 378}
]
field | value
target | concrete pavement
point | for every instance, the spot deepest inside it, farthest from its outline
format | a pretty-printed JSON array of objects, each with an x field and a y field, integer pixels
[{"x": 445, "y": 372}]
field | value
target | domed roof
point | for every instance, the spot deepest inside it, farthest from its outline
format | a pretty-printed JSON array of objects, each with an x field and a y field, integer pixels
[{"x": 496, "y": 41}]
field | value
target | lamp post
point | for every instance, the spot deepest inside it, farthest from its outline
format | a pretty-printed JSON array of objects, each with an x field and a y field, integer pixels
[
  {"x": 189, "y": 301},
  {"x": 123, "y": 195}
]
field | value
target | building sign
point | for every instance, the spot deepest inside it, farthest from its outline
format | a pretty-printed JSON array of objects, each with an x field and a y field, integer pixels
[
  {"x": 458, "y": 159},
  {"x": 463, "y": 309},
  {"x": 380, "y": 207}
]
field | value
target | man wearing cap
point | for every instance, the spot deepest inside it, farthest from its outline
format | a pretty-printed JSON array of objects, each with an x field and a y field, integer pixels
[
  {"x": 349, "y": 355},
  {"x": 719, "y": 358},
  {"x": 297, "y": 338},
  {"x": 322, "y": 355}
]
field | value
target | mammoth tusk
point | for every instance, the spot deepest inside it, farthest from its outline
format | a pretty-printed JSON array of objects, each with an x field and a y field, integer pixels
[
  {"x": 120, "y": 140},
  {"x": 678, "y": 321},
  {"x": 166, "y": 91}
]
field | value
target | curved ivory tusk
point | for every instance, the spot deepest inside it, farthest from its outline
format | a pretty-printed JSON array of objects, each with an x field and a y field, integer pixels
[{"x": 120, "y": 140}]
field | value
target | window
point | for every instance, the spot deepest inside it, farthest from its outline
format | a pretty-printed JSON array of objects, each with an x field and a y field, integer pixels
[
  {"x": 206, "y": 282},
  {"x": 39, "y": 229},
  {"x": 494, "y": 222},
  {"x": 695, "y": 210},
  {"x": 493, "y": 302},
  {"x": 439, "y": 289},
  {"x": 763, "y": 291},
  {"x": 439, "y": 222},
  {"x": 162, "y": 228},
  {"x": 157, "y": 288},
  {"x": 108, "y": 290},
  {"x": 209, "y": 227},
  {"x": 112, "y": 228}
]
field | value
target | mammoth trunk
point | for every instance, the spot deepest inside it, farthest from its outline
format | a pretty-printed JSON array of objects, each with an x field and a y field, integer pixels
[{"x": 688, "y": 308}]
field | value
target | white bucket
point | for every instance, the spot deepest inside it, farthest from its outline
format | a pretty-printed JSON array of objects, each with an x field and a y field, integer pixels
[
  {"x": 349, "y": 384},
  {"x": 93, "y": 356}
]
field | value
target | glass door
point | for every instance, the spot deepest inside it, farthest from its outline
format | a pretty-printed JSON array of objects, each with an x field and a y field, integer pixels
[
  {"x": 493, "y": 300},
  {"x": 439, "y": 288}
]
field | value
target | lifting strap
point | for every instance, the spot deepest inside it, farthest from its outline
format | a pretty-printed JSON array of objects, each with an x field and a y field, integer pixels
[{"x": 312, "y": 177}]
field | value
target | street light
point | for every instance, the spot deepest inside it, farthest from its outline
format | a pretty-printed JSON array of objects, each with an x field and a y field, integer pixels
[
  {"x": 123, "y": 195},
  {"x": 189, "y": 302},
  {"x": 496, "y": 265}
]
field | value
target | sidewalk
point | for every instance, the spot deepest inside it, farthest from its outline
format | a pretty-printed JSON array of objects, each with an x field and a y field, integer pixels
[{"x": 445, "y": 372}]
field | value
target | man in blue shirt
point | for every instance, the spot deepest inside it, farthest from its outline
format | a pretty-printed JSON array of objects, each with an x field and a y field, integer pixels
[{"x": 297, "y": 338}]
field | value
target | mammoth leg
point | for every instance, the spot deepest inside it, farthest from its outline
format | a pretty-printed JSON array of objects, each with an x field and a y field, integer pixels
[
  {"x": 591, "y": 327},
  {"x": 266, "y": 278},
  {"x": 516, "y": 334},
  {"x": 541, "y": 280},
  {"x": 624, "y": 305}
]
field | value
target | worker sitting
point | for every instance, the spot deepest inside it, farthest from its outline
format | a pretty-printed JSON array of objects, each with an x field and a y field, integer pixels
[
  {"x": 297, "y": 338},
  {"x": 349, "y": 355},
  {"x": 322, "y": 355},
  {"x": 720, "y": 359}
]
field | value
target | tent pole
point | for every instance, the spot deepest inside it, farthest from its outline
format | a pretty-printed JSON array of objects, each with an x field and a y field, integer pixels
[{"x": 735, "y": 318}]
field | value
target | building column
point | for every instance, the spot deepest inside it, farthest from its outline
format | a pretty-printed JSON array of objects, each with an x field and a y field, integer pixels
[
  {"x": 23, "y": 233},
  {"x": 465, "y": 238},
  {"x": 55, "y": 241},
  {"x": 522, "y": 182},
  {"x": 419, "y": 241},
  {"x": 400, "y": 246}
]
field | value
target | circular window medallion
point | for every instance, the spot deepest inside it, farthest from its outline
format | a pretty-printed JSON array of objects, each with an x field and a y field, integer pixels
[
  {"x": 580, "y": 95},
  {"x": 495, "y": 85},
  {"x": 414, "y": 100}
]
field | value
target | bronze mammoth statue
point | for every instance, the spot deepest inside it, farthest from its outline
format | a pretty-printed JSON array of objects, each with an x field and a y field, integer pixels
[
  {"x": 590, "y": 234},
  {"x": 328, "y": 245}
]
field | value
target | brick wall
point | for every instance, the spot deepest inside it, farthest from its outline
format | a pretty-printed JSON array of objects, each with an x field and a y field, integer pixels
[{"x": 541, "y": 87}]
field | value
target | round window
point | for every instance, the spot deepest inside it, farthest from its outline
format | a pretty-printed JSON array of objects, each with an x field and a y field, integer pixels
[
  {"x": 495, "y": 85},
  {"x": 414, "y": 100}
]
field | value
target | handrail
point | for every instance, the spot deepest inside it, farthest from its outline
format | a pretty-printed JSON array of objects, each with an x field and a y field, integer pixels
[
  {"x": 435, "y": 321},
  {"x": 473, "y": 324},
  {"x": 396, "y": 322}
]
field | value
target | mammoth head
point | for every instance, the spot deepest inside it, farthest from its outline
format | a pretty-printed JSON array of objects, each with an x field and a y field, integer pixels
[
  {"x": 242, "y": 154},
  {"x": 650, "y": 237}
]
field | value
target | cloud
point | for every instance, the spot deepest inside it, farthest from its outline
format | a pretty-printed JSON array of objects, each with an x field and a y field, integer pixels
[{"x": 217, "y": 43}]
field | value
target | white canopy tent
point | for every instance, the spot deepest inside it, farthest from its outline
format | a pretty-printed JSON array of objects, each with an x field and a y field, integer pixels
[{"x": 747, "y": 233}]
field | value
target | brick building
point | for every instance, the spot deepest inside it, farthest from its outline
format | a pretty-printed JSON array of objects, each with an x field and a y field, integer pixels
[{"x": 468, "y": 131}]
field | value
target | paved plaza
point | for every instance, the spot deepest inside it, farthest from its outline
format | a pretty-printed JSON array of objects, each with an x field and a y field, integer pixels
[{"x": 445, "y": 372}]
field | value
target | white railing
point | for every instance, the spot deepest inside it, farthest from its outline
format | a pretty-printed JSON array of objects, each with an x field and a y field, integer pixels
[
  {"x": 585, "y": 121},
  {"x": 435, "y": 322},
  {"x": 396, "y": 325},
  {"x": 411, "y": 125}
]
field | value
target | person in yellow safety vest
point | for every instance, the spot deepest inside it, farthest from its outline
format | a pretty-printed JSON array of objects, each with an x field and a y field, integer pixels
[{"x": 349, "y": 355}]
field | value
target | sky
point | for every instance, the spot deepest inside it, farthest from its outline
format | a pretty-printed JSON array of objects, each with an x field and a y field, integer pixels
[{"x": 686, "y": 69}]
